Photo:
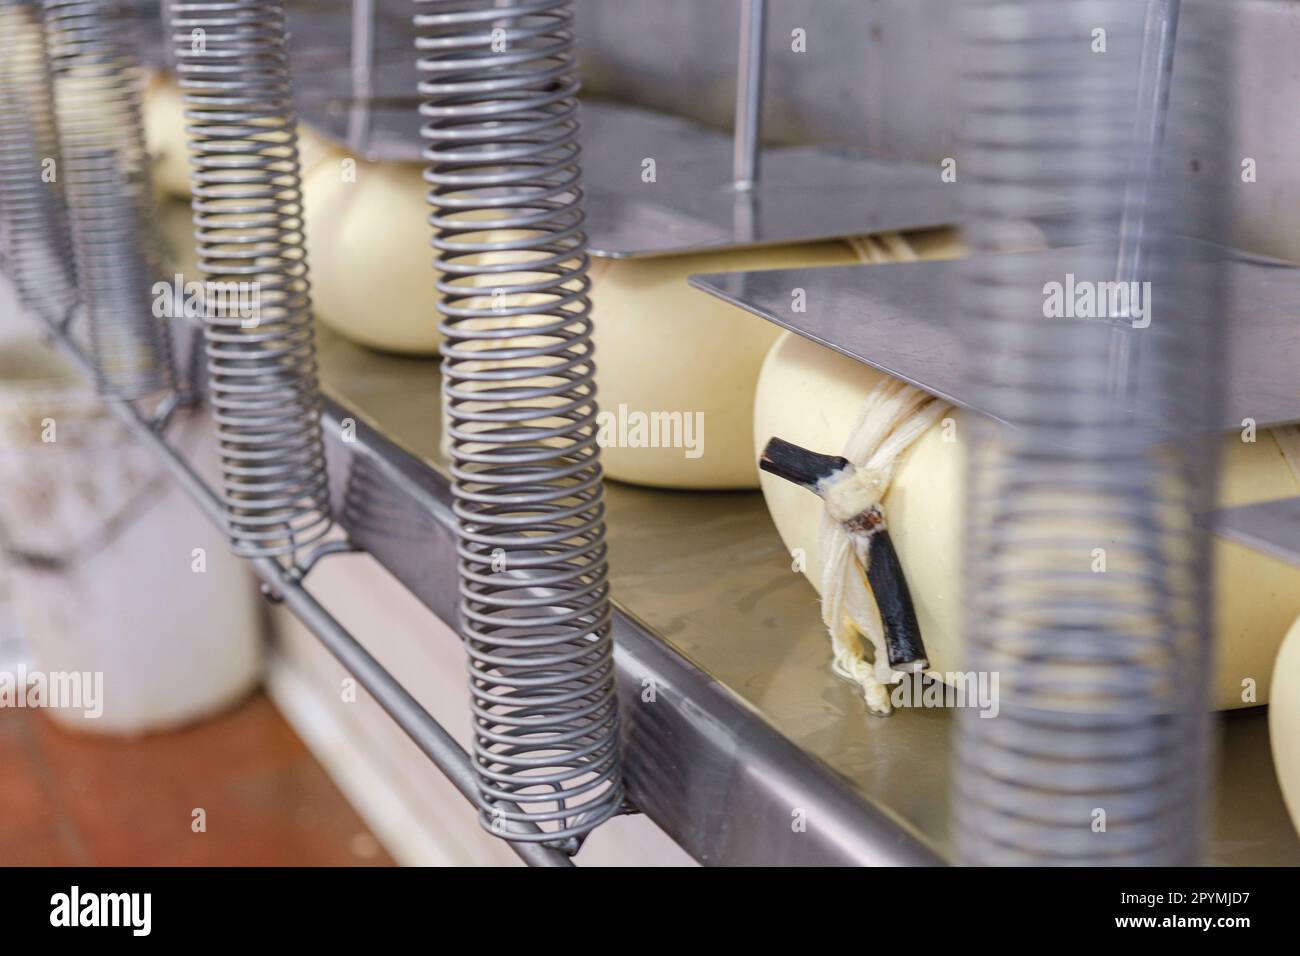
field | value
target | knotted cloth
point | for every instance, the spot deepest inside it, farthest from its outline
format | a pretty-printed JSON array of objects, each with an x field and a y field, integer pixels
[{"x": 892, "y": 418}]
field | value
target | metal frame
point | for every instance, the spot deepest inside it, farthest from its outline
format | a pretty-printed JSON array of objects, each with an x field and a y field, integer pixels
[
  {"x": 680, "y": 753},
  {"x": 701, "y": 719}
]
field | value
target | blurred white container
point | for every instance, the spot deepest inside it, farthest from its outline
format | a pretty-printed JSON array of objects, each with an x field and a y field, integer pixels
[{"x": 107, "y": 556}]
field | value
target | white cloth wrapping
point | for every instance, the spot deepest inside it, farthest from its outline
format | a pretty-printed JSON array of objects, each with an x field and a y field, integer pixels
[{"x": 893, "y": 417}]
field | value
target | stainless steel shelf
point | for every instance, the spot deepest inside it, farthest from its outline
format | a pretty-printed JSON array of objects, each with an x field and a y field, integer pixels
[
  {"x": 749, "y": 723},
  {"x": 702, "y": 760},
  {"x": 901, "y": 319}
]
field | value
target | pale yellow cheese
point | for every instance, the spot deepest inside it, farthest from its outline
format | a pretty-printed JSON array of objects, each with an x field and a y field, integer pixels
[
  {"x": 1284, "y": 721},
  {"x": 810, "y": 395},
  {"x": 369, "y": 243}
]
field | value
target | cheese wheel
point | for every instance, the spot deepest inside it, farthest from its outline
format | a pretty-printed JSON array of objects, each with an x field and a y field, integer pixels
[
  {"x": 810, "y": 395},
  {"x": 664, "y": 347},
  {"x": 369, "y": 243},
  {"x": 1284, "y": 721},
  {"x": 164, "y": 130}
]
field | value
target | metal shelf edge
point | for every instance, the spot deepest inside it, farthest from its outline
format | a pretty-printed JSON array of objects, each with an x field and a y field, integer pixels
[{"x": 724, "y": 784}]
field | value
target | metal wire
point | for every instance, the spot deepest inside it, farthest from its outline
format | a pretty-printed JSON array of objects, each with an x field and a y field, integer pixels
[
  {"x": 105, "y": 170},
  {"x": 233, "y": 69},
  {"x": 500, "y": 111},
  {"x": 1088, "y": 580},
  {"x": 37, "y": 245}
]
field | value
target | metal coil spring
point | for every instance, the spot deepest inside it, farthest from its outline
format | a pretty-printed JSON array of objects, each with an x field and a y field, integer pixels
[
  {"x": 37, "y": 245},
  {"x": 233, "y": 67},
  {"x": 105, "y": 169},
  {"x": 500, "y": 111},
  {"x": 1100, "y": 751}
]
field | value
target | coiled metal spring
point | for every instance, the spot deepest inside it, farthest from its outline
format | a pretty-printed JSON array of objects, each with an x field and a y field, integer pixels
[
  {"x": 37, "y": 245},
  {"x": 500, "y": 111},
  {"x": 233, "y": 68},
  {"x": 105, "y": 169},
  {"x": 1088, "y": 578}
]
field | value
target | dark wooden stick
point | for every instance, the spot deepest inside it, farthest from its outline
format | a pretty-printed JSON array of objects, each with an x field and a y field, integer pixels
[{"x": 873, "y": 550}]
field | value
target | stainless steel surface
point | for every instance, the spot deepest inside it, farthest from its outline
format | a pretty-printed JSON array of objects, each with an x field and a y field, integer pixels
[
  {"x": 692, "y": 204},
  {"x": 104, "y": 167},
  {"x": 1269, "y": 526},
  {"x": 707, "y": 604},
  {"x": 804, "y": 194},
  {"x": 233, "y": 70},
  {"x": 500, "y": 113},
  {"x": 697, "y": 758},
  {"x": 874, "y": 76},
  {"x": 748, "y": 131},
  {"x": 904, "y": 319}
]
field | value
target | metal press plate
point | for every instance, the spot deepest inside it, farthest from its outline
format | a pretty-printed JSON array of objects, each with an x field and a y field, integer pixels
[
  {"x": 805, "y": 193},
  {"x": 1272, "y": 527},
  {"x": 901, "y": 318}
]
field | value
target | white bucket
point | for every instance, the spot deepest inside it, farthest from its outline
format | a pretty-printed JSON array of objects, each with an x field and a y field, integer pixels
[{"x": 135, "y": 615}]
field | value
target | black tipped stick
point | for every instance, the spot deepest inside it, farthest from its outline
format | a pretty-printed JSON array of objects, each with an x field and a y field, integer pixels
[
  {"x": 872, "y": 548},
  {"x": 799, "y": 465},
  {"x": 888, "y": 585}
]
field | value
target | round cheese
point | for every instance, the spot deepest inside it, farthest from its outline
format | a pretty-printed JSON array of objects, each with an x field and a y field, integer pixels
[
  {"x": 1284, "y": 721},
  {"x": 810, "y": 395},
  {"x": 370, "y": 252}
]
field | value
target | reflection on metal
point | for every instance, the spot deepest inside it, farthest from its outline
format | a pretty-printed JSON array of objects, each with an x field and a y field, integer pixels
[
  {"x": 501, "y": 123},
  {"x": 105, "y": 171},
  {"x": 233, "y": 68},
  {"x": 1085, "y": 567}
]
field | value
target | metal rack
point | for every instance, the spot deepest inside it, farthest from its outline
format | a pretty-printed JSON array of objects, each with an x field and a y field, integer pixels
[
  {"x": 732, "y": 744},
  {"x": 749, "y": 722},
  {"x": 967, "y": 333},
  {"x": 261, "y": 382}
]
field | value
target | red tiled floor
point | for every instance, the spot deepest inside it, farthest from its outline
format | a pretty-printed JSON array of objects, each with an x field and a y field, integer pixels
[{"x": 71, "y": 798}]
